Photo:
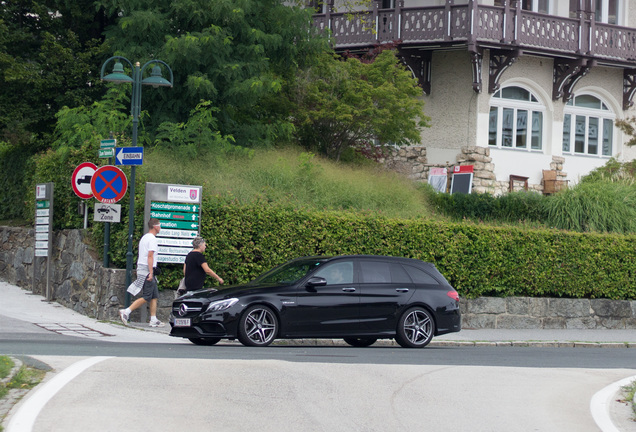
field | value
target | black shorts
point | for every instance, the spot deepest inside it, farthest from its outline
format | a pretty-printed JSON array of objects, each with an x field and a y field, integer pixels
[{"x": 150, "y": 289}]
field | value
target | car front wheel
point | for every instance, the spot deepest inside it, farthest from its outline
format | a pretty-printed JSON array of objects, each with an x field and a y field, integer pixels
[
  {"x": 415, "y": 328},
  {"x": 360, "y": 342},
  {"x": 258, "y": 326}
]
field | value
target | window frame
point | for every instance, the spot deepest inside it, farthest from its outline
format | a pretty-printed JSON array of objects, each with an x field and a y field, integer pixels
[
  {"x": 571, "y": 116},
  {"x": 531, "y": 107}
]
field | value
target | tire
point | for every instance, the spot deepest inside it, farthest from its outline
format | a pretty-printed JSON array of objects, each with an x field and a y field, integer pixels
[
  {"x": 360, "y": 342},
  {"x": 415, "y": 328},
  {"x": 258, "y": 326},
  {"x": 204, "y": 341}
]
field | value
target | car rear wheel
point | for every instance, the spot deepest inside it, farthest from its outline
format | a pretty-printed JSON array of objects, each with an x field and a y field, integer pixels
[
  {"x": 258, "y": 326},
  {"x": 360, "y": 342},
  {"x": 415, "y": 328},
  {"x": 204, "y": 341}
]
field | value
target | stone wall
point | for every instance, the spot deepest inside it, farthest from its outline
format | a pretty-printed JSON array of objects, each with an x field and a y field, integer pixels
[
  {"x": 413, "y": 163},
  {"x": 80, "y": 282},
  {"x": 77, "y": 278},
  {"x": 548, "y": 313}
]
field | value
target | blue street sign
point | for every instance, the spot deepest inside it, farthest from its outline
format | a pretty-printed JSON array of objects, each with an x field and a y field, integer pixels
[{"x": 129, "y": 156}]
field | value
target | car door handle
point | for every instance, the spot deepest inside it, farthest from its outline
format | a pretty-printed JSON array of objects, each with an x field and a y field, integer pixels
[
  {"x": 402, "y": 290},
  {"x": 351, "y": 289}
]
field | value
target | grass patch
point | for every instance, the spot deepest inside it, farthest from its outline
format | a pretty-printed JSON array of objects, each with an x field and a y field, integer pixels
[
  {"x": 293, "y": 178},
  {"x": 6, "y": 364},
  {"x": 26, "y": 378},
  {"x": 628, "y": 393}
]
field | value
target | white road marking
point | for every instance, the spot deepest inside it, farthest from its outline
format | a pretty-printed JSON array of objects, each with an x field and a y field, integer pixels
[
  {"x": 600, "y": 404},
  {"x": 24, "y": 419}
]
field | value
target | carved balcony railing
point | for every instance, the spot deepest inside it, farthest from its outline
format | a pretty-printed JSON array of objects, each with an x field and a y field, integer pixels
[{"x": 473, "y": 25}]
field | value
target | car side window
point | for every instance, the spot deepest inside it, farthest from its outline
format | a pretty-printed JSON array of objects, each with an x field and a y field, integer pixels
[
  {"x": 420, "y": 276},
  {"x": 399, "y": 275},
  {"x": 337, "y": 273}
]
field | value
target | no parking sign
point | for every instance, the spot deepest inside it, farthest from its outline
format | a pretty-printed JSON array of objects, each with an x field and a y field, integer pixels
[{"x": 109, "y": 184}]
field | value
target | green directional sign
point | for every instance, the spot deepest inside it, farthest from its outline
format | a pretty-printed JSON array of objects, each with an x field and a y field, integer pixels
[
  {"x": 179, "y": 225},
  {"x": 108, "y": 143},
  {"x": 106, "y": 153},
  {"x": 42, "y": 204},
  {"x": 193, "y": 208},
  {"x": 175, "y": 216}
]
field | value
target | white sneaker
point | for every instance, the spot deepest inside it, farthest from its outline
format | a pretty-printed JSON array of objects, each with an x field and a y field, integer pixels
[
  {"x": 156, "y": 324},
  {"x": 122, "y": 315}
]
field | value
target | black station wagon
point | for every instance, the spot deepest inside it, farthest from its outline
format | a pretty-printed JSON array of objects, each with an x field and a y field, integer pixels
[{"x": 359, "y": 298}]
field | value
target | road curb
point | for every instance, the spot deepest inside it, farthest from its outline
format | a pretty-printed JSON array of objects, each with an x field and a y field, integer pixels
[
  {"x": 434, "y": 342},
  {"x": 14, "y": 395}
]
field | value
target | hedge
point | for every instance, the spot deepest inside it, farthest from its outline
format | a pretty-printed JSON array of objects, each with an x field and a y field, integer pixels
[{"x": 244, "y": 241}]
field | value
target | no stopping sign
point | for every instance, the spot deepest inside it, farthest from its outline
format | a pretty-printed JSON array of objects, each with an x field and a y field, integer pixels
[{"x": 109, "y": 184}]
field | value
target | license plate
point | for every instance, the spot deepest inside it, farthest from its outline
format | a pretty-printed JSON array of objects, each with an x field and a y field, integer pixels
[{"x": 182, "y": 322}]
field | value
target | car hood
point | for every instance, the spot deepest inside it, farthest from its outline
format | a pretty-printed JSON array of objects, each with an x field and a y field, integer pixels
[{"x": 212, "y": 294}]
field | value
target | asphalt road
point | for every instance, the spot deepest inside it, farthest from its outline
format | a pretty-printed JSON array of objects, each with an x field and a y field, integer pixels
[{"x": 229, "y": 387}]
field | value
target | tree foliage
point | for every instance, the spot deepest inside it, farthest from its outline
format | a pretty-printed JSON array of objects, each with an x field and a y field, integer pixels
[
  {"x": 236, "y": 54},
  {"x": 628, "y": 126},
  {"x": 350, "y": 103},
  {"x": 48, "y": 53}
]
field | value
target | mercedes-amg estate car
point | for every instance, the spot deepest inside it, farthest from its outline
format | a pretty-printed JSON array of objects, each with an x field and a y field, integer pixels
[{"x": 359, "y": 298}]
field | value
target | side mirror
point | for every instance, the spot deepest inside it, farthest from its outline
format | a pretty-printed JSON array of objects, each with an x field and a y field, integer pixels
[{"x": 316, "y": 281}]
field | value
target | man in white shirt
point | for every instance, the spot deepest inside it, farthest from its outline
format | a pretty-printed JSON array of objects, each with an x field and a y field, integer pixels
[{"x": 146, "y": 282}]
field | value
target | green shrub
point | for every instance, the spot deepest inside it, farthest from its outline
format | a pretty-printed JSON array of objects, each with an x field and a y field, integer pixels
[
  {"x": 512, "y": 207},
  {"x": 594, "y": 206},
  {"x": 244, "y": 241}
]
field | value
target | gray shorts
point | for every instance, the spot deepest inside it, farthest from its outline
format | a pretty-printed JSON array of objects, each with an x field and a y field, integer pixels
[{"x": 150, "y": 289}]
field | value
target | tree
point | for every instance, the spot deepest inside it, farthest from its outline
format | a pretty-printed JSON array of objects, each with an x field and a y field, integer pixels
[
  {"x": 351, "y": 102},
  {"x": 49, "y": 53},
  {"x": 236, "y": 54},
  {"x": 628, "y": 125}
]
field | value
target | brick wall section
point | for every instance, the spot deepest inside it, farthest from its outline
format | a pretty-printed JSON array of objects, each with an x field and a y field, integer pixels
[{"x": 80, "y": 282}]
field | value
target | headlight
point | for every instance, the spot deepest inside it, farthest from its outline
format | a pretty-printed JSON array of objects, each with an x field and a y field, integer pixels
[{"x": 221, "y": 305}]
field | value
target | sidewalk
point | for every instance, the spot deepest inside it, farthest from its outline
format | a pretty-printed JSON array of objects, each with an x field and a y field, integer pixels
[{"x": 20, "y": 304}]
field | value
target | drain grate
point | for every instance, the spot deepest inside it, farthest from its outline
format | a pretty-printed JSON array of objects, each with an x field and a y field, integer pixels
[{"x": 72, "y": 330}]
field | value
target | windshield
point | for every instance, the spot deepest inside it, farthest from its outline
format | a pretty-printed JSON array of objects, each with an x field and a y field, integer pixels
[{"x": 290, "y": 272}]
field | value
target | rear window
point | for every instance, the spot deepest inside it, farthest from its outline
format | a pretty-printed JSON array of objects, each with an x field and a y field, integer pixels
[
  {"x": 382, "y": 272},
  {"x": 420, "y": 276}
]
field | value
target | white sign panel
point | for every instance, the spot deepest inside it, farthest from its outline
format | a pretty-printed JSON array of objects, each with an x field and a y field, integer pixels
[
  {"x": 173, "y": 250},
  {"x": 41, "y": 244},
  {"x": 172, "y": 259},
  {"x": 42, "y": 220},
  {"x": 42, "y": 236},
  {"x": 42, "y": 229},
  {"x": 107, "y": 213},
  {"x": 42, "y": 212},
  {"x": 166, "y": 232},
  {"x": 174, "y": 242},
  {"x": 183, "y": 194},
  {"x": 40, "y": 191},
  {"x": 41, "y": 252}
]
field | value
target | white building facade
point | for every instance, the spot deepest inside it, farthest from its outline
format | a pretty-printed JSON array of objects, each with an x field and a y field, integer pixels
[{"x": 512, "y": 87}]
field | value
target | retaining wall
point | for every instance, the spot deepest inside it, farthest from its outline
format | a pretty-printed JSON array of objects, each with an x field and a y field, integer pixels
[{"x": 79, "y": 281}]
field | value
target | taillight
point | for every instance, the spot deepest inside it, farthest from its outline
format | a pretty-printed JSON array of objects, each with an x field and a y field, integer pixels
[{"x": 453, "y": 294}]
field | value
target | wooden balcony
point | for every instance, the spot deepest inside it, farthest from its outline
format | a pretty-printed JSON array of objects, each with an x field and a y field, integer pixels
[{"x": 575, "y": 44}]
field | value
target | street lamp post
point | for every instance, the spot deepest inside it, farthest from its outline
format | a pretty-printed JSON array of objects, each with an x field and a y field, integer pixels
[{"x": 156, "y": 80}]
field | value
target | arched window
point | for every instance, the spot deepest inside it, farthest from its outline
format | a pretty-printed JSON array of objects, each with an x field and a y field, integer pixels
[
  {"x": 516, "y": 120},
  {"x": 588, "y": 127}
]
